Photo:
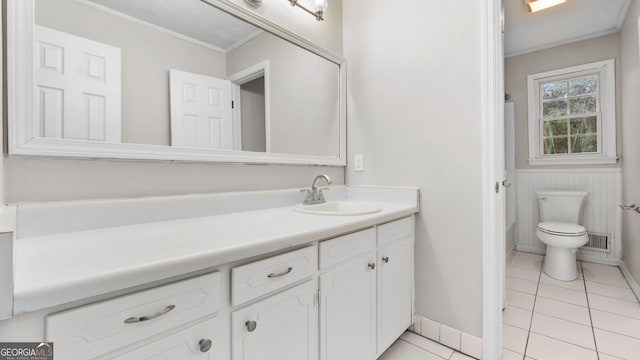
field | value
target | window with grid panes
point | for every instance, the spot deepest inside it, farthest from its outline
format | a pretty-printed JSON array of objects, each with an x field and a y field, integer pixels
[{"x": 572, "y": 115}]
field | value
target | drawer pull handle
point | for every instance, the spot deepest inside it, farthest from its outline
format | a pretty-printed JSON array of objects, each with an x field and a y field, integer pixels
[
  {"x": 372, "y": 266},
  {"x": 205, "y": 345},
  {"x": 385, "y": 259},
  {"x": 286, "y": 272},
  {"x": 133, "y": 319},
  {"x": 251, "y": 325}
]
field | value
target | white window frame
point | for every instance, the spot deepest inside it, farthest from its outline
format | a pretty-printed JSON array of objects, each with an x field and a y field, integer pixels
[{"x": 606, "y": 121}]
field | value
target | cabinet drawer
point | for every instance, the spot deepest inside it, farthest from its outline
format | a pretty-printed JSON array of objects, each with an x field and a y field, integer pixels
[
  {"x": 96, "y": 329},
  {"x": 395, "y": 230},
  {"x": 337, "y": 250},
  {"x": 264, "y": 276},
  {"x": 197, "y": 342}
]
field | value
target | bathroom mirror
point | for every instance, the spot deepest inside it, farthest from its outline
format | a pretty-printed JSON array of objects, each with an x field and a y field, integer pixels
[{"x": 171, "y": 80}]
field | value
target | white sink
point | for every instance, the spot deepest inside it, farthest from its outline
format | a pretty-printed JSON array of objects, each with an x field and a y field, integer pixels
[{"x": 339, "y": 208}]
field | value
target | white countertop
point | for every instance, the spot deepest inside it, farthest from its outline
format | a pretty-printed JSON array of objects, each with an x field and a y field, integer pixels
[{"x": 59, "y": 268}]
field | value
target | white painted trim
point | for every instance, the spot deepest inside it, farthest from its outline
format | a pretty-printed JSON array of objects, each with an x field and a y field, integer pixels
[
  {"x": 243, "y": 41},
  {"x": 623, "y": 14},
  {"x": 492, "y": 98},
  {"x": 578, "y": 160},
  {"x": 635, "y": 287},
  {"x": 534, "y": 250},
  {"x": 597, "y": 260},
  {"x": 612, "y": 170},
  {"x": 22, "y": 139},
  {"x": 563, "y": 42},
  {"x": 607, "y": 121},
  {"x": 529, "y": 249},
  {"x": 133, "y": 19}
]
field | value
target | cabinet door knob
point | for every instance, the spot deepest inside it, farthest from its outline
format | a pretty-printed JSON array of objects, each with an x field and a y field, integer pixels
[
  {"x": 251, "y": 325},
  {"x": 205, "y": 345},
  {"x": 372, "y": 266},
  {"x": 385, "y": 259}
]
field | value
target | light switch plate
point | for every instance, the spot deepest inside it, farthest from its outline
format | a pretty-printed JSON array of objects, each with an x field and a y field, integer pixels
[{"x": 358, "y": 162}]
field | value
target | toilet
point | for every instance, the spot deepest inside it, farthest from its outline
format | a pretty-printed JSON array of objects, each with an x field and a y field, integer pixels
[{"x": 559, "y": 228}]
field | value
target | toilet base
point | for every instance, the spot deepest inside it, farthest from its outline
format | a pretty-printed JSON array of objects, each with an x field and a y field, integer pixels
[{"x": 560, "y": 263}]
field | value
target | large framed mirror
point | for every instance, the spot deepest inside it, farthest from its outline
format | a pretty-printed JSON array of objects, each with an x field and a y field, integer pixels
[{"x": 185, "y": 80}]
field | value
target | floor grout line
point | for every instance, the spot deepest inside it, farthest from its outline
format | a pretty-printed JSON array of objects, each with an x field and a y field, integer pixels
[
  {"x": 526, "y": 345},
  {"x": 593, "y": 331}
]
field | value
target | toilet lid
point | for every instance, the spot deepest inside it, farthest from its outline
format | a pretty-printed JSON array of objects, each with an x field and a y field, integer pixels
[{"x": 560, "y": 228}]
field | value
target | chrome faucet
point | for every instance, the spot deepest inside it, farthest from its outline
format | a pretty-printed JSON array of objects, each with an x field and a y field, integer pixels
[{"x": 314, "y": 195}]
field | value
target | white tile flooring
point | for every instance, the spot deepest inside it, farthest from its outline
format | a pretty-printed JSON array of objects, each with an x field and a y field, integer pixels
[
  {"x": 415, "y": 347},
  {"x": 594, "y": 317}
]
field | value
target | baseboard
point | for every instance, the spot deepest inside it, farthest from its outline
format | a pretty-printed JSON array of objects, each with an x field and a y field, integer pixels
[
  {"x": 593, "y": 259},
  {"x": 597, "y": 260},
  {"x": 635, "y": 287},
  {"x": 530, "y": 249},
  {"x": 447, "y": 336},
  {"x": 510, "y": 253}
]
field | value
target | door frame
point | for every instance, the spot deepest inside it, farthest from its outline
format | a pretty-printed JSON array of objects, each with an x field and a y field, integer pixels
[
  {"x": 242, "y": 77},
  {"x": 492, "y": 98}
]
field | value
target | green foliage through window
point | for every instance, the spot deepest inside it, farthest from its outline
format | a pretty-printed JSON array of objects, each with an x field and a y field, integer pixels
[{"x": 570, "y": 115}]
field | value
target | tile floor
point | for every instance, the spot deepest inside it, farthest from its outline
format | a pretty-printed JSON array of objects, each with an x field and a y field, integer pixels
[
  {"x": 594, "y": 317},
  {"x": 415, "y": 347}
]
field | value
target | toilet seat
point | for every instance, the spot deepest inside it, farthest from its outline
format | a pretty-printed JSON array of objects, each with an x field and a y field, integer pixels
[{"x": 561, "y": 229}]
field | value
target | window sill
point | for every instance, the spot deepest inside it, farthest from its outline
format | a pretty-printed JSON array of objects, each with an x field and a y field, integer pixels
[{"x": 600, "y": 160}]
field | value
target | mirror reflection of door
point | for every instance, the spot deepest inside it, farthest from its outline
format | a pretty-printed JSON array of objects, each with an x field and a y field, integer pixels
[
  {"x": 201, "y": 114},
  {"x": 77, "y": 87}
]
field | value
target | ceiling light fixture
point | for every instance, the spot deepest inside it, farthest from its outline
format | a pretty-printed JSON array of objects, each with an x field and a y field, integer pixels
[
  {"x": 318, "y": 8},
  {"x": 537, "y": 5}
]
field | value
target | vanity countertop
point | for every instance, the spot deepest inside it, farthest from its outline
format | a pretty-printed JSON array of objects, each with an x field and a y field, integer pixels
[{"x": 59, "y": 268}]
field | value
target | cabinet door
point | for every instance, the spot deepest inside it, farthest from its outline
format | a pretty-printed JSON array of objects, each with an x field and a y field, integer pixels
[
  {"x": 348, "y": 311},
  {"x": 281, "y": 327},
  {"x": 395, "y": 291},
  {"x": 198, "y": 342}
]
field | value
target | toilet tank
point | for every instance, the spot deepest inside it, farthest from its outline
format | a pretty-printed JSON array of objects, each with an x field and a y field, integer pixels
[{"x": 561, "y": 206}]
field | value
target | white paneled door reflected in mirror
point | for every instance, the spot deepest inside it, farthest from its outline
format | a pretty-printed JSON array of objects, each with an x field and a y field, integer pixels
[{"x": 173, "y": 77}]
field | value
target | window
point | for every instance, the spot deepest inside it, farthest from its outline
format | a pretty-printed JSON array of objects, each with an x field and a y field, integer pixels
[{"x": 572, "y": 115}]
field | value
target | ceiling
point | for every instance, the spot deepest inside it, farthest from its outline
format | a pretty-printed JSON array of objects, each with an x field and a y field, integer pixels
[
  {"x": 192, "y": 18},
  {"x": 573, "y": 21}
]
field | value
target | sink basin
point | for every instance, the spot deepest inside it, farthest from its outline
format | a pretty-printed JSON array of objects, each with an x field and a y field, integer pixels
[{"x": 339, "y": 208}]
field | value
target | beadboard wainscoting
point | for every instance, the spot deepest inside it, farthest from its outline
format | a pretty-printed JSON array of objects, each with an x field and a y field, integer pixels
[{"x": 601, "y": 213}]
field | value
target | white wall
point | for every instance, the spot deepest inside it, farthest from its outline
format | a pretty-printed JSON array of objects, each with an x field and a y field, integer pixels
[
  {"x": 304, "y": 119},
  {"x": 415, "y": 113},
  {"x": 630, "y": 144},
  {"x": 32, "y": 179}
]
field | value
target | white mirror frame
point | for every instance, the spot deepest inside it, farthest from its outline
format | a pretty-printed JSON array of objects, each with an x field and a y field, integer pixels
[{"x": 21, "y": 124}]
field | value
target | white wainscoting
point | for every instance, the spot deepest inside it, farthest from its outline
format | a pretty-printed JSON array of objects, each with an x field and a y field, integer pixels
[{"x": 601, "y": 212}]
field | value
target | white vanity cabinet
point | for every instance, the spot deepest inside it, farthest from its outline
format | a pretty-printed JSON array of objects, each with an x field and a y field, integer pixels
[
  {"x": 366, "y": 291},
  {"x": 282, "y": 327},
  {"x": 395, "y": 288},
  {"x": 197, "y": 342},
  {"x": 98, "y": 329},
  {"x": 345, "y": 298},
  {"x": 348, "y": 311}
]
